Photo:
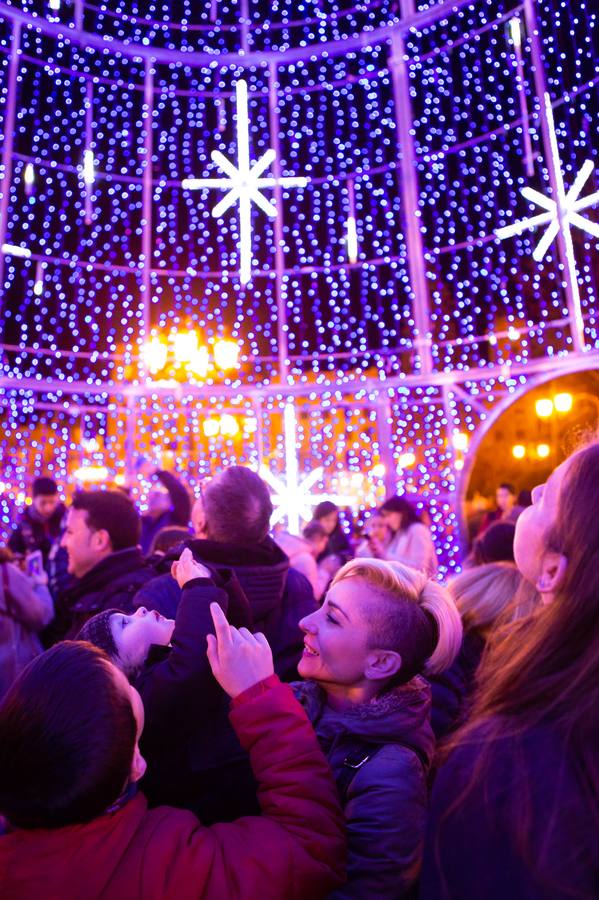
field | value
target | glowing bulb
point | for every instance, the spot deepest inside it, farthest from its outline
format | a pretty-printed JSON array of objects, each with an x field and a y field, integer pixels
[
  {"x": 460, "y": 441},
  {"x": 513, "y": 333},
  {"x": 120, "y": 479},
  {"x": 54, "y": 5},
  {"x": 155, "y": 354},
  {"x": 91, "y": 474},
  {"x": 563, "y": 402},
  {"x": 516, "y": 32},
  {"x": 13, "y": 250},
  {"x": 518, "y": 451},
  {"x": 250, "y": 425},
  {"x": 352, "y": 239},
  {"x": 185, "y": 346},
  {"x": 200, "y": 362},
  {"x": 406, "y": 460},
  {"x": 226, "y": 354},
  {"x": 378, "y": 471},
  {"x": 210, "y": 427},
  {"x": 543, "y": 451},
  {"x": 229, "y": 425},
  {"x": 90, "y": 445},
  {"x": 544, "y": 408},
  {"x": 458, "y": 465},
  {"x": 29, "y": 177},
  {"x": 89, "y": 175},
  {"x": 38, "y": 287}
]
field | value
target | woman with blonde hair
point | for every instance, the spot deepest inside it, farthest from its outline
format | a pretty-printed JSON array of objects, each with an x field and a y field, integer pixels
[
  {"x": 382, "y": 624},
  {"x": 483, "y": 595}
]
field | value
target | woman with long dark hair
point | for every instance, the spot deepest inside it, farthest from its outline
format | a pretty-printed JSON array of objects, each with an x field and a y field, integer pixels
[
  {"x": 411, "y": 542},
  {"x": 515, "y": 808}
]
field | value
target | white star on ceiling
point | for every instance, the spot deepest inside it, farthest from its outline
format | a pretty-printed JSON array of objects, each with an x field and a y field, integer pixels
[
  {"x": 244, "y": 183},
  {"x": 562, "y": 212},
  {"x": 292, "y": 498}
]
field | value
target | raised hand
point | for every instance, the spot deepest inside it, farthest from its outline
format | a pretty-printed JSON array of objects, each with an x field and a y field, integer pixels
[
  {"x": 238, "y": 658},
  {"x": 186, "y": 568}
]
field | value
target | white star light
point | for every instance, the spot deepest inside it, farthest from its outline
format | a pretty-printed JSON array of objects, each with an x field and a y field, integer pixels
[
  {"x": 564, "y": 210},
  {"x": 292, "y": 497},
  {"x": 244, "y": 183}
]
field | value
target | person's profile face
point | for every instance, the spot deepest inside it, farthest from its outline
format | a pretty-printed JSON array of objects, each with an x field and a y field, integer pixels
[
  {"x": 46, "y": 504},
  {"x": 534, "y": 523},
  {"x": 82, "y": 543},
  {"x": 504, "y": 499},
  {"x": 392, "y": 519},
  {"x": 135, "y": 634},
  {"x": 336, "y": 636},
  {"x": 329, "y": 521}
]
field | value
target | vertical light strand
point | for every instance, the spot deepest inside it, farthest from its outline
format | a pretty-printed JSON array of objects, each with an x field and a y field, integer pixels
[
  {"x": 280, "y": 284},
  {"x": 7, "y": 144},
  {"x": 384, "y": 419},
  {"x": 291, "y": 464},
  {"x": 352, "y": 232},
  {"x": 146, "y": 217},
  {"x": 516, "y": 36},
  {"x": 409, "y": 193},
  {"x": 88, "y": 153}
]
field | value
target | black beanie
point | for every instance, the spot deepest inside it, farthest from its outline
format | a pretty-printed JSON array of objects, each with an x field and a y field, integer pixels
[
  {"x": 97, "y": 631},
  {"x": 44, "y": 486}
]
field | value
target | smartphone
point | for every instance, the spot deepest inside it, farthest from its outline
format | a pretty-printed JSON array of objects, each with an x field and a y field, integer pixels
[{"x": 34, "y": 565}]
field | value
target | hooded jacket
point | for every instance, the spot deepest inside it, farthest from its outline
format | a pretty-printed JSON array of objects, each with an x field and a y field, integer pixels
[
  {"x": 278, "y": 596},
  {"x": 294, "y": 850},
  {"x": 385, "y": 801},
  {"x": 208, "y": 771},
  {"x": 23, "y": 614}
]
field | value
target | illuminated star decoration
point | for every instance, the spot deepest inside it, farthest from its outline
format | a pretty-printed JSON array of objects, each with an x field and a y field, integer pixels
[
  {"x": 292, "y": 498},
  {"x": 562, "y": 212},
  {"x": 244, "y": 183}
]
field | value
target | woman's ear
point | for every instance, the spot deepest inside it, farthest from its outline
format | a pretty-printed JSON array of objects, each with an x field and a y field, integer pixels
[
  {"x": 138, "y": 765},
  {"x": 382, "y": 664},
  {"x": 553, "y": 571}
]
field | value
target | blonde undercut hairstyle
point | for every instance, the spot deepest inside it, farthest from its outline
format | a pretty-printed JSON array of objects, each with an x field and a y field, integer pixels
[{"x": 408, "y": 613}]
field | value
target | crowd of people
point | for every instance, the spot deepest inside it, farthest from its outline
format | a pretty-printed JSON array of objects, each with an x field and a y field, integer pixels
[{"x": 192, "y": 705}]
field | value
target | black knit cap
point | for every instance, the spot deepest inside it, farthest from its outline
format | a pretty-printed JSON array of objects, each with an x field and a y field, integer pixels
[
  {"x": 44, "y": 486},
  {"x": 97, "y": 631}
]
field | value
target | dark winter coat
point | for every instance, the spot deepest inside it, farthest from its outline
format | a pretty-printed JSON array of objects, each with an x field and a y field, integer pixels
[
  {"x": 207, "y": 771},
  {"x": 453, "y": 688},
  {"x": 178, "y": 514},
  {"x": 112, "y": 583},
  {"x": 32, "y": 532},
  {"x": 294, "y": 850},
  {"x": 529, "y": 810},
  {"x": 194, "y": 758},
  {"x": 385, "y": 801},
  {"x": 278, "y": 595}
]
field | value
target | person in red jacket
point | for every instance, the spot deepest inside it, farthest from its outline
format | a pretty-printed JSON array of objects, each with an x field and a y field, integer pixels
[{"x": 76, "y": 828}]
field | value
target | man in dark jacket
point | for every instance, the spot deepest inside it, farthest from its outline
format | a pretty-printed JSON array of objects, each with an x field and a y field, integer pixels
[
  {"x": 237, "y": 511},
  {"x": 168, "y": 505},
  {"x": 102, "y": 542},
  {"x": 191, "y": 772},
  {"x": 40, "y": 524}
]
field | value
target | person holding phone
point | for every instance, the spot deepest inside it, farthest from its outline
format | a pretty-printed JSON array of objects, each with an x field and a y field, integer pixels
[{"x": 25, "y": 608}]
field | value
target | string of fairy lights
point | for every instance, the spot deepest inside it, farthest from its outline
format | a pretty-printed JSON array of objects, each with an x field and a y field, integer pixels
[{"x": 317, "y": 234}]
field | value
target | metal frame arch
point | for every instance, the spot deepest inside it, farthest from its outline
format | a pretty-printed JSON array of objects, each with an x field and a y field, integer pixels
[{"x": 569, "y": 366}]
